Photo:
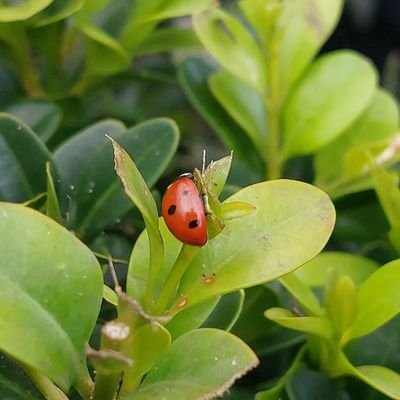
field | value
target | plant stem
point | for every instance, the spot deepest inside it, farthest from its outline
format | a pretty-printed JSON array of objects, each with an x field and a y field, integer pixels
[
  {"x": 84, "y": 385},
  {"x": 273, "y": 107},
  {"x": 106, "y": 385},
  {"x": 48, "y": 389},
  {"x": 274, "y": 164},
  {"x": 185, "y": 256},
  {"x": 18, "y": 42}
]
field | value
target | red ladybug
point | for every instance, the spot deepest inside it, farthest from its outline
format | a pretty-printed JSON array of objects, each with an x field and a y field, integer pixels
[{"x": 183, "y": 211}]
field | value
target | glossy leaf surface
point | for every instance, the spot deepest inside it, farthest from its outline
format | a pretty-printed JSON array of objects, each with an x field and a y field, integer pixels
[
  {"x": 43, "y": 117},
  {"x": 22, "y": 10},
  {"x": 26, "y": 175},
  {"x": 311, "y": 121},
  {"x": 251, "y": 249},
  {"x": 378, "y": 123},
  {"x": 232, "y": 46},
  {"x": 377, "y": 299},
  {"x": 193, "y": 76},
  {"x": 52, "y": 286},
  {"x": 201, "y": 364}
]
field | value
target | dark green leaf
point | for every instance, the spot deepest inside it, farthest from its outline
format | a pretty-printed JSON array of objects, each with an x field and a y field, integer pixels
[
  {"x": 14, "y": 384},
  {"x": 24, "y": 158},
  {"x": 42, "y": 116},
  {"x": 244, "y": 104},
  {"x": 227, "y": 311},
  {"x": 312, "y": 385},
  {"x": 191, "y": 318},
  {"x": 169, "y": 39},
  {"x": 193, "y": 76},
  {"x": 52, "y": 206},
  {"x": 98, "y": 198},
  {"x": 52, "y": 286},
  {"x": 58, "y": 10}
]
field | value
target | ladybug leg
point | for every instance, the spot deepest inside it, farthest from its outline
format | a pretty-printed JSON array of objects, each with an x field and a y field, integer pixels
[{"x": 207, "y": 208}]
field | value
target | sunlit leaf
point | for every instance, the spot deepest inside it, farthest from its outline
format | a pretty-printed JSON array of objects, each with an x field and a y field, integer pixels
[
  {"x": 377, "y": 299},
  {"x": 311, "y": 121},
  {"x": 45, "y": 276},
  {"x": 201, "y": 364}
]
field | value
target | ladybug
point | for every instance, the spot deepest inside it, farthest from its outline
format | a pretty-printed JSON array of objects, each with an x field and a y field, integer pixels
[{"x": 183, "y": 211}]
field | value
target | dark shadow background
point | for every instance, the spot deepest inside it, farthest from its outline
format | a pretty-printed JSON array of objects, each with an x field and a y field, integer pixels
[{"x": 371, "y": 27}]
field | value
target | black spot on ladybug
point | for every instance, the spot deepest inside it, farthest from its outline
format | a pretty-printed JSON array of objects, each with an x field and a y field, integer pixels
[
  {"x": 193, "y": 224},
  {"x": 185, "y": 192},
  {"x": 171, "y": 209}
]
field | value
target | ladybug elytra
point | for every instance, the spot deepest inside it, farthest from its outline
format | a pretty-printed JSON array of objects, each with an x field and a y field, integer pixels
[{"x": 183, "y": 211}]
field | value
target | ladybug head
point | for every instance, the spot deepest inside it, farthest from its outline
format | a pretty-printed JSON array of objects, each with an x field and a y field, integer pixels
[{"x": 187, "y": 175}]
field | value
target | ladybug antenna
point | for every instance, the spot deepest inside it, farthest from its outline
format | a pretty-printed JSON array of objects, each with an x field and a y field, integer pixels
[{"x": 203, "y": 166}]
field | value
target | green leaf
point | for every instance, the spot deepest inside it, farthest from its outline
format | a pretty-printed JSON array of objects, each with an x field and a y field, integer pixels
[
  {"x": 176, "y": 8},
  {"x": 191, "y": 318},
  {"x": 227, "y": 311},
  {"x": 52, "y": 286},
  {"x": 254, "y": 249},
  {"x": 14, "y": 384},
  {"x": 312, "y": 385},
  {"x": 23, "y": 11},
  {"x": 275, "y": 392},
  {"x": 311, "y": 121},
  {"x": 378, "y": 122},
  {"x": 285, "y": 210},
  {"x": 24, "y": 158},
  {"x": 138, "y": 272},
  {"x": 58, "y": 10},
  {"x": 386, "y": 186},
  {"x": 52, "y": 206},
  {"x": 42, "y": 116},
  {"x": 251, "y": 324},
  {"x": 75, "y": 156},
  {"x": 193, "y": 76},
  {"x": 149, "y": 341},
  {"x": 104, "y": 54},
  {"x": 314, "y": 273},
  {"x": 169, "y": 40},
  {"x": 394, "y": 236},
  {"x": 216, "y": 174},
  {"x": 315, "y": 325},
  {"x": 341, "y": 305},
  {"x": 109, "y": 295},
  {"x": 140, "y": 195},
  {"x": 384, "y": 337},
  {"x": 88, "y": 178},
  {"x": 200, "y": 364},
  {"x": 244, "y": 104},
  {"x": 301, "y": 30},
  {"x": 380, "y": 378},
  {"x": 378, "y": 300},
  {"x": 303, "y": 294},
  {"x": 135, "y": 186},
  {"x": 236, "y": 209},
  {"x": 232, "y": 46}
]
